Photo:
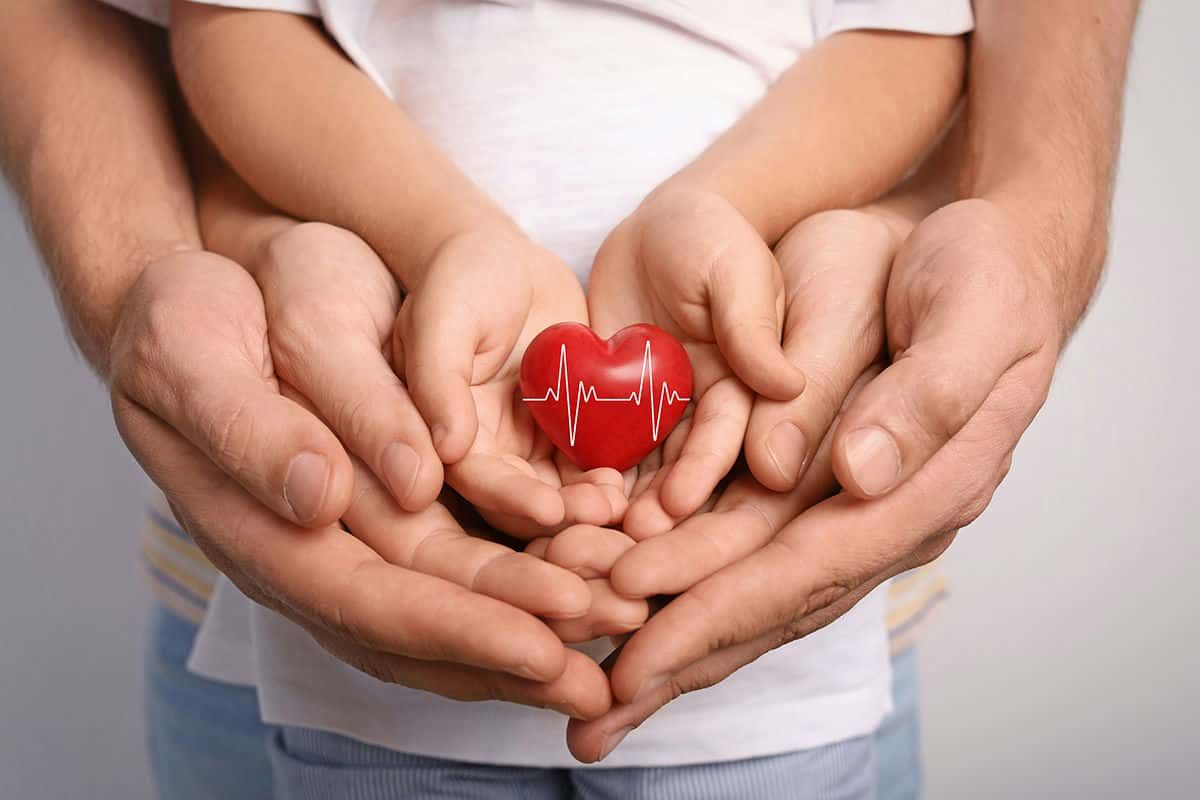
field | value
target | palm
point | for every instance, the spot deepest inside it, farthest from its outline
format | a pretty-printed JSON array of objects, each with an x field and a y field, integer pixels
[
  {"x": 652, "y": 270},
  {"x": 481, "y": 304}
]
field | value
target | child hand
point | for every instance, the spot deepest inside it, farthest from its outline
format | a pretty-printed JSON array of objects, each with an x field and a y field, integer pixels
[
  {"x": 460, "y": 336},
  {"x": 689, "y": 263},
  {"x": 590, "y": 552}
]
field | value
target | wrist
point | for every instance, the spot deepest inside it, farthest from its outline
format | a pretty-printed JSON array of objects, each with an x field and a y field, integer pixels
[
  {"x": 1065, "y": 230},
  {"x": 93, "y": 313},
  {"x": 408, "y": 246}
]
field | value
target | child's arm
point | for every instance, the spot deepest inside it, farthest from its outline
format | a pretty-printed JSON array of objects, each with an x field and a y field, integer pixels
[
  {"x": 314, "y": 137},
  {"x": 837, "y": 130}
]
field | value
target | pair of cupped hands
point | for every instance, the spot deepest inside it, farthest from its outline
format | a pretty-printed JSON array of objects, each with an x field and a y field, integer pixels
[{"x": 857, "y": 394}]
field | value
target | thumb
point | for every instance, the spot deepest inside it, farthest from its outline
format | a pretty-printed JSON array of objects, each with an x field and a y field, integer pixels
[
  {"x": 212, "y": 389},
  {"x": 966, "y": 332},
  {"x": 436, "y": 345},
  {"x": 746, "y": 302}
]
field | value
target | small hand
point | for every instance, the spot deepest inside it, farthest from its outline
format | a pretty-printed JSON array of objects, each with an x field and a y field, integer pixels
[
  {"x": 689, "y": 263},
  {"x": 590, "y": 552},
  {"x": 459, "y": 340}
]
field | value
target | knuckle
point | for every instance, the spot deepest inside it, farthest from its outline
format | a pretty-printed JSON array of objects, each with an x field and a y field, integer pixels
[
  {"x": 310, "y": 242},
  {"x": 232, "y": 436},
  {"x": 357, "y": 418},
  {"x": 973, "y": 504},
  {"x": 940, "y": 406}
]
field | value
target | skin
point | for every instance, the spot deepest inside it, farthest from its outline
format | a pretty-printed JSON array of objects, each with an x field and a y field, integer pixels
[
  {"x": 1032, "y": 225},
  {"x": 89, "y": 142},
  {"x": 445, "y": 241},
  {"x": 979, "y": 303}
]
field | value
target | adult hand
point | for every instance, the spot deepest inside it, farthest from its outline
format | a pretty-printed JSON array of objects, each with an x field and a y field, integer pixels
[
  {"x": 974, "y": 320},
  {"x": 408, "y": 597}
]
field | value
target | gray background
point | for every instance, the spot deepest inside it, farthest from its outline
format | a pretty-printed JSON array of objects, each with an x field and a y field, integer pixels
[{"x": 1064, "y": 666}]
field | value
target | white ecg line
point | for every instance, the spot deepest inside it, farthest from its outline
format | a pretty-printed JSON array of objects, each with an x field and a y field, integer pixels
[{"x": 585, "y": 394}]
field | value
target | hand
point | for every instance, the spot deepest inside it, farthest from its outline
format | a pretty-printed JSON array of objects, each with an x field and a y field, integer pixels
[
  {"x": 689, "y": 263},
  {"x": 330, "y": 304},
  {"x": 975, "y": 325},
  {"x": 460, "y": 337},
  {"x": 590, "y": 551},
  {"x": 196, "y": 399}
]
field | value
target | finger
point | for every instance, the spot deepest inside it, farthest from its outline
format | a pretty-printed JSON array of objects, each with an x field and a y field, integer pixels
[
  {"x": 501, "y": 484},
  {"x": 746, "y": 303},
  {"x": 580, "y": 691},
  {"x": 609, "y": 615},
  {"x": 350, "y": 383},
  {"x": 745, "y": 518},
  {"x": 595, "y": 497},
  {"x": 834, "y": 547},
  {"x": 437, "y": 342},
  {"x": 332, "y": 580},
  {"x": 833, "y": 330},
  {"x": 586, "y": 550},
  {"x": 711, "y": 448},
  {"x": 961, "y": 344},
  {"x": 325, "y": 341},
  {"x": 645, "y": 516},
  {"x": 218, "y": 392},
  {"x": 432, "y": 542},
  {"x": 594, "y": 740}
]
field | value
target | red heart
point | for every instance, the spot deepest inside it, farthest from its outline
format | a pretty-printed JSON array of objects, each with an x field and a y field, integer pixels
[{"x": 606, "y": 404}]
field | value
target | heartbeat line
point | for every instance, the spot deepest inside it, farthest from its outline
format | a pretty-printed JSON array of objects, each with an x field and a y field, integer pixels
[{"x": 586, "y": 394}]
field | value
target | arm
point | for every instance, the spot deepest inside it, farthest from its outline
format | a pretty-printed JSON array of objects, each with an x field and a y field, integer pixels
[
  {"x": 313, "y": 136},
  {"x": 89, "y": 144},
  {"x": 1043, "y": 149},
  {"x": 838, "y": 129},
  {"x": 1026, "y": 245},
  {"x": 290, "y": 138}
]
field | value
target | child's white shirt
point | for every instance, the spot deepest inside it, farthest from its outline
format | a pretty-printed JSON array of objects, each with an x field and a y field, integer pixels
[{"x": 568, "y": 113}]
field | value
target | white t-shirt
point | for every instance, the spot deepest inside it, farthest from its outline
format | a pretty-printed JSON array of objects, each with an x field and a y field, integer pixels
[{"x": 568, "y": 113}]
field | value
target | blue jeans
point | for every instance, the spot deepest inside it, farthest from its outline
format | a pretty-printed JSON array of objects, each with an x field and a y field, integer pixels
[{"x": 208, "y": 742}]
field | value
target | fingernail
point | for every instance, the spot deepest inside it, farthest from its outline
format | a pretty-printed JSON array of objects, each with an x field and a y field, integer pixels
[
  {"x": 787, "y": 447},
  {"x": 304, "y": 485},
  {"x": 612, "y": 740},
  {"x": 873, "y": 459},
  {"x": 401, "y": 464}
]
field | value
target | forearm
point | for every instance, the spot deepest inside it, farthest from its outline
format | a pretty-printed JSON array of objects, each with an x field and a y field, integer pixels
[
  {"x": 313, "y": 136},
  {"x": 931, "y": 186},
  {"x": 1044, "y": 116},
  {"x": 87, "y": 140},
  {"x": 838, "y": 129}
]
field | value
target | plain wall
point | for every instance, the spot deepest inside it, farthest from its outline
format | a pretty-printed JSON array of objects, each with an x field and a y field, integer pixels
[{"x": 1064, "y": 665}]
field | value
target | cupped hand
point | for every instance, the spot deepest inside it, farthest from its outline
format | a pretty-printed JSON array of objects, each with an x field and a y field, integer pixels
[
  {"x": 409, "y": 598},
  {"x": 460, "y": 337},
  {"x": 975, "y": 322},
  {"x": 689, "y": 263}
]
